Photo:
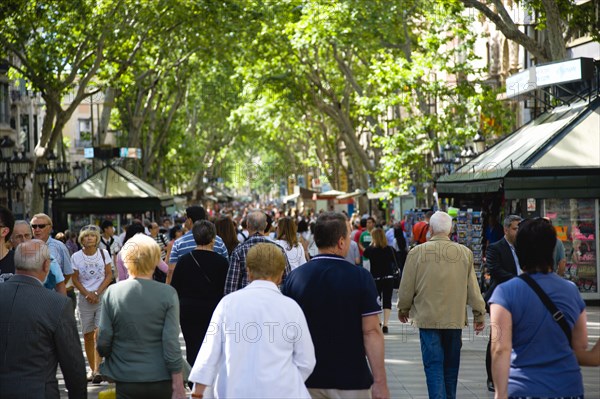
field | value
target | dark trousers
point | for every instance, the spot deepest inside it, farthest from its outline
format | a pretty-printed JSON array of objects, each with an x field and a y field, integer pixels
[
  {"x": 71, "y": 294},
  {"x": 385, "y": 289},
  {"x": 144, "y": 390}
]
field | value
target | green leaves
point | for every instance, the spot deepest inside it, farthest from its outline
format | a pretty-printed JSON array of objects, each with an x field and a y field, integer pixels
[{"x": 371, "y": 86}]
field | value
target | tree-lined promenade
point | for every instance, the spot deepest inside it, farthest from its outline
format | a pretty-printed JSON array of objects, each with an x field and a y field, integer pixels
[{"x": 361, "y": 90}]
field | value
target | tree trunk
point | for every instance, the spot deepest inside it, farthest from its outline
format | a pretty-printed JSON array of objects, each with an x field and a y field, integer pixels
[
  {"x": 52, "y": 128},
  {"x": 107, "y": 106},
  {"x": 555, "y": 46}
]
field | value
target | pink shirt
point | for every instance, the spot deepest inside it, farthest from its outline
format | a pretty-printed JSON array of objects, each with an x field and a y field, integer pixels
[{"x": 123, "y": 273}]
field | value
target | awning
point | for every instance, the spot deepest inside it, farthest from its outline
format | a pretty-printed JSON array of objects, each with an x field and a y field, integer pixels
[
  {"x": 353, "y": 194},
  {"x": 553, "y": 183},
  {"x": 289, "y": 198},
  {"x": 474, "y": 187},
  {"x": 112, "y": 190},
  {"x": 486, "y": 172},
  {"x": 577, "y": 147},
  {"x": 331, "y": 194},
  {"x": 379, "y": 195}
]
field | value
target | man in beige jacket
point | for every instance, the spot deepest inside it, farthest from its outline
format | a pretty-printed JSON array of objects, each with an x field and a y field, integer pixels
[{"x": 438, "y": 283}]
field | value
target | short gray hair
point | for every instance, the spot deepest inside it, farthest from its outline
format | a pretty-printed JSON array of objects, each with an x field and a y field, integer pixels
[
  {"x": 256, "y": 221},
  {"x": 19, "y": 222},
  {"x": 31, "y": 255},
  {"x": 441, "y": 223},
  {"x": 511, "y": 218}
]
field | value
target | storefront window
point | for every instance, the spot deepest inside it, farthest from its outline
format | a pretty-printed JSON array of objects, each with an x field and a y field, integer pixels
[{"x": 575, "y": 224}]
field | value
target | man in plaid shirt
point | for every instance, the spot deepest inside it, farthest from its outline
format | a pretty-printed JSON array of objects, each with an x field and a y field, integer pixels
[{"x": 237, "y": 275}]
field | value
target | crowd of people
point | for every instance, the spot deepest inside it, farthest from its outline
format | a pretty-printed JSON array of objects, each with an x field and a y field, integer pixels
[{"x": 273, "y": 305}]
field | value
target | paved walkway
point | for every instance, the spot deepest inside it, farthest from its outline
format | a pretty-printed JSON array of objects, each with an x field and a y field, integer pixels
[{"x": 406, "y": 378}]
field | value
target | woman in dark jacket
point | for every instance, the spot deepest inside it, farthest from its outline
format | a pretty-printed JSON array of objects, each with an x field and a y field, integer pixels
[{"x": 382, "y": 268}]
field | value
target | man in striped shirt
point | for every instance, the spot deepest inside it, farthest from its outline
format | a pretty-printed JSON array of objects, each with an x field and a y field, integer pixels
[{"x": 186, "y": 243}]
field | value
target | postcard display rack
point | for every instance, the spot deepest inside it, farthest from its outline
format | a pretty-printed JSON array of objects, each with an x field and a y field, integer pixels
[
  {"x": 469, "y": 226},
  {"x": 575, "y": 223}
]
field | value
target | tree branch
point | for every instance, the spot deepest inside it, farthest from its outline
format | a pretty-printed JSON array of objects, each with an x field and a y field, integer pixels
[{"x": 508, "y": 28}]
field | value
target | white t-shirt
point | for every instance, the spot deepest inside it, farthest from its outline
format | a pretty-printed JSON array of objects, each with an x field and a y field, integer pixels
[
  {"x": 295, "y": 255},
  {"x": 91, "y": 268}
]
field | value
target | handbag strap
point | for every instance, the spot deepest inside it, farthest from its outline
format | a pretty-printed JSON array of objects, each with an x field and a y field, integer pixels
[
  {"x": 396, "y": 266},
  {"x": 557, "y": 315},
  {"x": 200, "y": 267},
  {"x": 102, "y": 254}
]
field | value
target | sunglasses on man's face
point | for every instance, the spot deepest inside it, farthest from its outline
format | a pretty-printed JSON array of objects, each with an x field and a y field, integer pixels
[{"x": 38, "y": 226}]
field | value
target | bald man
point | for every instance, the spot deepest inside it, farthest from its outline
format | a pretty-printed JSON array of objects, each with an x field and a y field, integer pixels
[{"x": 38, "y": 332}]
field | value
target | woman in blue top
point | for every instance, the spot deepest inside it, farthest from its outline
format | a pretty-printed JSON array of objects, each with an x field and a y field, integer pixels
[{"x": 531, "y": 355}]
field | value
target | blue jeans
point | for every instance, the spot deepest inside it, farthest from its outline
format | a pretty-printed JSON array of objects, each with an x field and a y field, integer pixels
[{"x": 440, "y": 350}]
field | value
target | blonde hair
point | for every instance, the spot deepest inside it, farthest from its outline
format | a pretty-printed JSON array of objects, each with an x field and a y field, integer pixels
[
  {"x": 379, "y": 239},
  {"x": 265, "y": 261},
  {"x": 140, "y": 255},
  {"x": 89, "y": 230}
]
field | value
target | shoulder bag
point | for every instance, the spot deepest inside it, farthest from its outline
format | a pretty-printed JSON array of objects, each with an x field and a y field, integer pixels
[
  {"x": 395, "y": 270},
  {"x": 557, "y": 315},
  {"x": 112, "y": 280}
]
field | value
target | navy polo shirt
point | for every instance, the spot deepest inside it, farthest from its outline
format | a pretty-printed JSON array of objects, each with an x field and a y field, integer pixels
[{"x": 335, "y": 295}]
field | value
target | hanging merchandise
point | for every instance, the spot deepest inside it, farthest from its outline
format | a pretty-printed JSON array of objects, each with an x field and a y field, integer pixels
[
  {"x": 575, "y": 223},
  {"x": 469, "y": 227}
]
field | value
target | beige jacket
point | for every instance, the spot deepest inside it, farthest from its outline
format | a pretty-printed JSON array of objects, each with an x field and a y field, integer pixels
[{"x": 437, "y": 284}]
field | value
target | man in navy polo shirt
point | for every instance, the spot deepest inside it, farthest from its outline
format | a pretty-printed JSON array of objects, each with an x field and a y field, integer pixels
[{"x": 339, "y": 301}]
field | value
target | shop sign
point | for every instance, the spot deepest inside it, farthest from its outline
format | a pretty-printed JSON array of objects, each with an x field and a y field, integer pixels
[
  {"x": 530, "y": 204},
  {"x": 521, "y": 83},
  {"x": 563, "y": 72}
]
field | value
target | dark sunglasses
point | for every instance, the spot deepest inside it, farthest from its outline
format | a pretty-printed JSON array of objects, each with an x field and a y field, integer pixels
[{"x": 38, "y": 226}]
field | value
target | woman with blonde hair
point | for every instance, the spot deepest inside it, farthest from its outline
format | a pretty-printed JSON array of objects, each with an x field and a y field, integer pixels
[
  {"x": 92, "y": 274},
  {"x": 287, "y": 238},
  {"x": 382, "y": 268},
  {"x": 139, "y": 329}
]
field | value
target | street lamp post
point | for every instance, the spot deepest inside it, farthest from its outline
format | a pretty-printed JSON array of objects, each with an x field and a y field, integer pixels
[
  {"x": 54, "y": 178},
  {"x": 479, "y": 142},
  {"x": 13, "y": 169},
  {"x": 450, "y": 159},
  {"x": 77, "y": 171},
  {"x": 6, "y": 146}
]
